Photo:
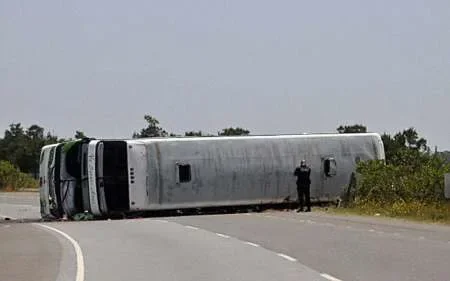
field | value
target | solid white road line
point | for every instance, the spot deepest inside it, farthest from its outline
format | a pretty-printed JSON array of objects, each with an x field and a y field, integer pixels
[
  {"x": 163, "y": 221},
  {"x": 329, "y": 277},
  {"x": 191, "y": 227},
  {"x": 251, "y": 244},
  {"x": 79, "y": 254},
  {"x": 222, "y": 235},
  {"x": 286, "y": 257}
]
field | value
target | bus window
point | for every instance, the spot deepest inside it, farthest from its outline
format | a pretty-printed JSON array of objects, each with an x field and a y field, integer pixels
[
  {"x": 330, "y": 167},
  {"x": 184, "y": 172}
]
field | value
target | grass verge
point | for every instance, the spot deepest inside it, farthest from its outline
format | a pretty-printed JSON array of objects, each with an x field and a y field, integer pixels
[{"x": 425, "y": 212}]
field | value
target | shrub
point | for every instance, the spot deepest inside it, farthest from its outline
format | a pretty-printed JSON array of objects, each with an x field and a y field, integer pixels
[
  {"x": 388, "y": 184},
  {"x": 413, "y": 186},
  {"x": 12, "y": 179}
]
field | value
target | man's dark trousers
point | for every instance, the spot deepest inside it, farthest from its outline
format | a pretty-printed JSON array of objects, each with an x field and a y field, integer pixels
[{"x": 303, "y": 191}]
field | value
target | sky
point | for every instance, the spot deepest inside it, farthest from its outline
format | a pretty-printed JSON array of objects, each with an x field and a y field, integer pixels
[{"x": 270, "y": 66}]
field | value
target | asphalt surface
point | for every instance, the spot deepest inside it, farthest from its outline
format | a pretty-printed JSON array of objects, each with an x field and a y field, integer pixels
[
  {"x": 19, "y": 205},
  {"x": 254, "y": 246}
]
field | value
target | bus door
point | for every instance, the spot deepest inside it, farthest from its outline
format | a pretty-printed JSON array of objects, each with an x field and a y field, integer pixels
[
  {"x": 138, "y": 175},
  {"x": 83, "y": 154}
]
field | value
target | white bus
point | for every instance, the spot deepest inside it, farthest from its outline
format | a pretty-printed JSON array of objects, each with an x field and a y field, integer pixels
[{"x": 103, "y": 177}]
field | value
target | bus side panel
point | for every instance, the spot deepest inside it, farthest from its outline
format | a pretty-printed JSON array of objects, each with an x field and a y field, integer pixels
[{"x": 250, "y": 171}]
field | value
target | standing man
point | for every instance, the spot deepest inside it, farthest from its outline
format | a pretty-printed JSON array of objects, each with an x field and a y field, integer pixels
[{"x": 303, "y": 174}]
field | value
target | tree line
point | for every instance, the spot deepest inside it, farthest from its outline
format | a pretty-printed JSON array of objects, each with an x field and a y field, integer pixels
[{"x": 153, "y": 129}]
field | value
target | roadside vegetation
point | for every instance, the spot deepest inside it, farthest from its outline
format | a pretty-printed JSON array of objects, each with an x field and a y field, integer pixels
[
  {"x": 11, "y": 179},
  {"x": 409, "y": 184}
]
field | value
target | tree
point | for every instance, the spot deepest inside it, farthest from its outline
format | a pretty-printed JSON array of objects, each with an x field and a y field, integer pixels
[
  {"x": 79, "y": 135},
  {"x": 406, "y": 142},
  {"x": 35, "y": 141},
  {"x": 14, "y": 147},
  {"x": 22, "y": 147},
  {"x": 445, "y": 155},
  {"x": 412, "y": 139},
  {"x": 234, "y": 132},
  {"x": 152, "y": 130},
  {"x": 357, "y": 128},
  {"x": 193, "y": 134}
]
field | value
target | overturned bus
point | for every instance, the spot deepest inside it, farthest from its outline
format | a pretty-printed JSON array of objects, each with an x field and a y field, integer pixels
[{"x": 104, "y": 177}]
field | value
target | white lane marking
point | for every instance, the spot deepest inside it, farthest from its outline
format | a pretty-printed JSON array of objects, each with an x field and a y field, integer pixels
[
  {"x": 371, "y": 230},
  {"x": 289, "y": 258},
  {"x": 191, "y": 227},
  {"x": 163, "y": 221},
  {"x": 79, "y": 254},
  {"x": 329, "y": 277},
  {"x": 222, "y": 235},
  {"x": 251, "y": 244}
]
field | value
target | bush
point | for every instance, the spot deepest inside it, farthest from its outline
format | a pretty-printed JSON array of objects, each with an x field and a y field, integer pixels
[
  {"x": 380, "y": 183},
  {"x": 12, "y": 179},
  {"x": 411, "y": 187}
]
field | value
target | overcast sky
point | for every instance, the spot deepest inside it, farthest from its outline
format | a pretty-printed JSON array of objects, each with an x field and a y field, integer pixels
[{"x": 270, "y": 66}]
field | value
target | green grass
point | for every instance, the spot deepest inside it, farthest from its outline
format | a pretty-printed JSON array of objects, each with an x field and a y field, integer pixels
[{"x": 430, "y": 212}]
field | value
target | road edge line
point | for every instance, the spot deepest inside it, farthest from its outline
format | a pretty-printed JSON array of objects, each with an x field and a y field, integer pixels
[
  {"x": 79, "y": 254},
  {"x": 289, "y": 258},
  {"x": 329, "y": 277},
  {"x": 222, "y": 235}
]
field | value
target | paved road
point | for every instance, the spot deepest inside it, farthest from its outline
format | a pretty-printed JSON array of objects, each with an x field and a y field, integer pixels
[
  {"x": 19, "y": 205},
  {"x": 349, "y": 248},
  {"x": 255, "y": 246}
]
